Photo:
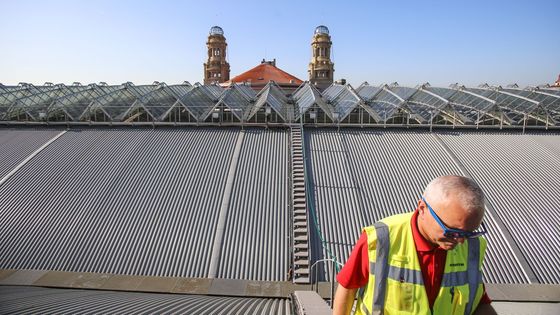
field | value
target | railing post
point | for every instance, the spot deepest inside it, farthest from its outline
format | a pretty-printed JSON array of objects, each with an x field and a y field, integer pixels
[
  {"x": 332, "y": 282},
  {"x": 315, "y": 283}
]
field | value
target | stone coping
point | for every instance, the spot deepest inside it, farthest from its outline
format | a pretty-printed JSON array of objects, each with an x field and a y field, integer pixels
[{"x": 229, "y": 287}]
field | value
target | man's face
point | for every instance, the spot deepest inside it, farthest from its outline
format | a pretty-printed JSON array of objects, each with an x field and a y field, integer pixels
[{"x": 452, "y": 214}]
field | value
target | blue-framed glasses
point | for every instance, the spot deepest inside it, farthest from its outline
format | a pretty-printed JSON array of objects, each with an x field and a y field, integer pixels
[{"x": 454, "y": 233}]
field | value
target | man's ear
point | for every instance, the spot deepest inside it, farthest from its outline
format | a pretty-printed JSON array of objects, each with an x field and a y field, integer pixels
[{"x": 421, "y": 207}]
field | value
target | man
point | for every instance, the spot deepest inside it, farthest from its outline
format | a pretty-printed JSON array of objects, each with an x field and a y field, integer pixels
[{"x": 425, "y": 262}]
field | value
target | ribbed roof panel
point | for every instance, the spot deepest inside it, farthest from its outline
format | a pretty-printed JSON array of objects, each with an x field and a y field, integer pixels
[
  {"x": 17, "y": 144},
  {"x": 363, "y": 176},
  {"x": 550, "y": 141},
  {"x": 70, "y": 301},
  {"x": 124, "y": 201},
  {"x": 521, "y": 178},
  {"x": 256, "y": 242}
]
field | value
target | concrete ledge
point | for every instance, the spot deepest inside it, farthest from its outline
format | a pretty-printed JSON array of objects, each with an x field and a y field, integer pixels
[
  {"x": 192, "y": 285},
  {"x": 4, "y": 273},
  {"x": 22, "y": 277},
  {"x": 230, "y": 287},
  {"x": 157, "y": 284},
  {"x": 101, "y": 281},
  {"x": 524, "y": 292},
  {"x": 81, "y": 280},
  {"x": 523, "y": 308},
  {"x": 309, "y": 303},
  {"x": 121, "y": 283}
]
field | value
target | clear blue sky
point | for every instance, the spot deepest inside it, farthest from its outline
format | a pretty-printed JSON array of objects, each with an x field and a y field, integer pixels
[{"x": 410, "y": 42}]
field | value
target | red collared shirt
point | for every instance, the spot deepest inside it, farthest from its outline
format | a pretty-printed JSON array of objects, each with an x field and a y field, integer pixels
[{"x": 355, "y": 272}]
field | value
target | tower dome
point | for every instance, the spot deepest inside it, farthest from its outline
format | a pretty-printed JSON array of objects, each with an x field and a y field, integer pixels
[
  {"x": 216, "y": 30},
  {"x": 321, "y": 29}
]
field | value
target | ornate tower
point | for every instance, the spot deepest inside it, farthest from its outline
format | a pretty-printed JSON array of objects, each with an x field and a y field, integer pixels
[
  {"x": 216, "y": 69},
  {"x": 321, "y": 68}
]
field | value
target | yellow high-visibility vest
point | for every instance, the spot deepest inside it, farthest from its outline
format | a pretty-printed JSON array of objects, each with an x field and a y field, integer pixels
[{"x": 395, "y": 284}]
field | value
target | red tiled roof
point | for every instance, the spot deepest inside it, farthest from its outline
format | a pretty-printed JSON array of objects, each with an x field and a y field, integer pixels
[{"x": 266, "y": 72}]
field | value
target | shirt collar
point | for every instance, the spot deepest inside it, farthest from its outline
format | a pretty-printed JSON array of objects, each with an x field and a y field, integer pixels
[{"x": 422, "y": 245}]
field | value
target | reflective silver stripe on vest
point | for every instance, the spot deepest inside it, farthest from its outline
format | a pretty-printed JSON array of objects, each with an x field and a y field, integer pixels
[
  {"x": 474, "y": 274},
  {"x": 361, "y": 293},
  {"x": 364, "y": 309},
  {"x": 406, "y": 275},
  {"x": 402, "y": 274},
  {"x": 454, "y": 279},
  {"x": 381, "y": 268}
]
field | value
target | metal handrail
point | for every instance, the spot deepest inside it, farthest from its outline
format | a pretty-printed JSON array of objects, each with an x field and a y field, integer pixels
[{"x": 316, "y": 287}]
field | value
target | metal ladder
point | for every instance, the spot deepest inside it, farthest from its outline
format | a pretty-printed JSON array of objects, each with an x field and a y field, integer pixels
[{"x": 299, "y": 206}]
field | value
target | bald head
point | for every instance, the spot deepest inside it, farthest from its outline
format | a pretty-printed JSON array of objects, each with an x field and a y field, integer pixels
[{"x": 463, "y": 189}]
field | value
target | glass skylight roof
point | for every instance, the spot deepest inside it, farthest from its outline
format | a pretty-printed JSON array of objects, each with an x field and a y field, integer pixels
[{"x": 511, "y": 105}]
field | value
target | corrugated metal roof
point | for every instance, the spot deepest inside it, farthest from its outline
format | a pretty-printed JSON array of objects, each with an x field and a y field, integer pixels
[
  {"x": 17, "y": 144},
  {"x": 257, "y": 234},
  {"x": 129, "y": 201},
  {"x": 146, "y": 202},
  {"x": 551, "y": 142},
  {"x": 521, "y": 178},
  {"x": 362, "y": 176},
  {"x": 70, "y": 301}
]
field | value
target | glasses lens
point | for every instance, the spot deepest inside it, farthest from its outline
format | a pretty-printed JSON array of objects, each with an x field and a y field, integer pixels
[
  {"x": 454, "y": 235},
  {"x": 466, "y": 234}
]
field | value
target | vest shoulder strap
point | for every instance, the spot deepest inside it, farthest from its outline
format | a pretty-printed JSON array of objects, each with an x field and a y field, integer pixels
[{"x": 381, "y": 267}]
